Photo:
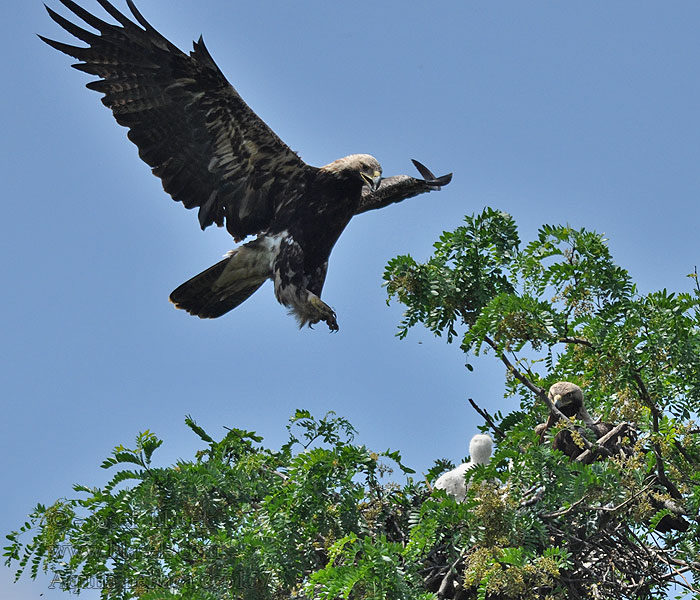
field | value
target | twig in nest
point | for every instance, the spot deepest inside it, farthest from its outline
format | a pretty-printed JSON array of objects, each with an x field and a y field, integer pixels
[
  {"x": 448, "y": 582},
  {"x": 617, "y": 431}
]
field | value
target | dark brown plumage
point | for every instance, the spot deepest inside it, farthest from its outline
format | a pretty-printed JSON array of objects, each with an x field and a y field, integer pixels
[
  {"x": 564, "y": 440},
  {"x": 212, "y": 152},
  {"x": 568, "y": 398}
]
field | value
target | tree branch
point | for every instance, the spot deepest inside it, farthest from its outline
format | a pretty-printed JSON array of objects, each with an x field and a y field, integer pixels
[
  {"x": 615, "y": 432},
  {"x": 655, "y": 413},
  {"x": 575, "y": 340},
  {"x": 489, "y": 420},
  {"x": 538, "y": 391}
]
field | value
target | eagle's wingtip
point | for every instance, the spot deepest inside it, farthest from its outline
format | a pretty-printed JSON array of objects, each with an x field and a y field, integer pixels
[
  {"x": 429, "y": 177},
  {"x": 425, "y": 172}
]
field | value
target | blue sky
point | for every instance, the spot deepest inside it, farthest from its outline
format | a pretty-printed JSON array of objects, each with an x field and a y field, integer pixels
[{"x": 580, "y": 112}]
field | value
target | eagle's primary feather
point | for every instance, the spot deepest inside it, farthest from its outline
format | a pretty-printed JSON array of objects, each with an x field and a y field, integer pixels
[{"x": 211, "y": 151}]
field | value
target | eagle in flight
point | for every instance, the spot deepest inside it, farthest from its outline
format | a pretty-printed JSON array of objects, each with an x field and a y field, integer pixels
[{"x": 211, "y": 151}]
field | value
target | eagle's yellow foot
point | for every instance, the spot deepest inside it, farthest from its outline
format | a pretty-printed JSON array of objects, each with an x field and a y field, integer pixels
[{"x": 324, "y": 312}]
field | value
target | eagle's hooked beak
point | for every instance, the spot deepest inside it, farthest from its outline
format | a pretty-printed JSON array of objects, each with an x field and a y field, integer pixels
[
  {"x": 374, "y": 181},
  {"x": 562, "y": 401}
]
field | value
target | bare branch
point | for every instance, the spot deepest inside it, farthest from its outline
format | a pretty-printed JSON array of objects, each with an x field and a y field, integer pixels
[
  {"x": 538, "y": 391},
  {"x": 575, "y": 340},
  {"x": 615, "y": 432},
  {"x": 655, "y": 415},
  {"x": 564, "y": 511},
  {"x": 449, "y": 580},
  {"x": 489, "y": 420}
]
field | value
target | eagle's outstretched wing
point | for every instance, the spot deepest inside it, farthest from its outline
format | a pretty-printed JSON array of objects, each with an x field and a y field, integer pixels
[
  {"x": 399, "y": 187},
  {"x": 190, "y": 125}
]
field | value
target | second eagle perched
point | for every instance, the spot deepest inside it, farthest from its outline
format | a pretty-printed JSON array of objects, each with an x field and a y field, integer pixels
[{"x": 213, "y": 152}]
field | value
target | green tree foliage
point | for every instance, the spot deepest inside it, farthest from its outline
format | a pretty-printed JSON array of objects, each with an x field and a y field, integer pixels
[
  {"x": 321, "y": 518},
  {"x": 239, "y": 521},
  {"x": 560, "y": 309}
]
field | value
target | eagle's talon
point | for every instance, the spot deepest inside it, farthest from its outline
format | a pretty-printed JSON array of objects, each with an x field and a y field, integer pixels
[{"x": 323, "y": 312}]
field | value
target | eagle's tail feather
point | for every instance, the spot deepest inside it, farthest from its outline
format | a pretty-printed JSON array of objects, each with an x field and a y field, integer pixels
[{"x": 222, "y": 286}]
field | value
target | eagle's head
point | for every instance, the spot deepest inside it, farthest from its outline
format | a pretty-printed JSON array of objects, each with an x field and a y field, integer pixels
[
  {"x": 567, "y": 397},
  {"x": 365, "y": 166}
]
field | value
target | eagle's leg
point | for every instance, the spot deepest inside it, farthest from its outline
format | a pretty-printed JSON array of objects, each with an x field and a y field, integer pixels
[
  {"x": 291, "y": 287},
  {"x": 306, "y": 306}
]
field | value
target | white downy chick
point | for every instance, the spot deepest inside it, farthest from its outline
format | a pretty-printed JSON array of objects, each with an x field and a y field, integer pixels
[{"x": 453, "y": 481}]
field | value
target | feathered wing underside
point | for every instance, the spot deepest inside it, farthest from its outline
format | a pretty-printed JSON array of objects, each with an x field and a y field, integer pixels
[
  {"x": 190, "y": 125},
  {"x": 400, "y": 187}
]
